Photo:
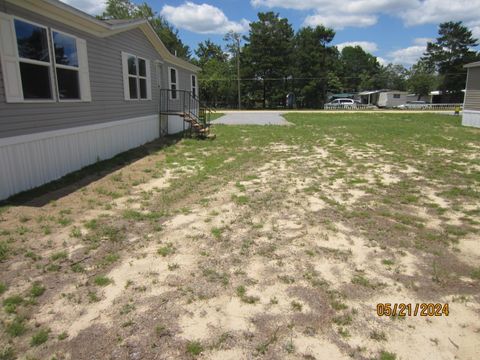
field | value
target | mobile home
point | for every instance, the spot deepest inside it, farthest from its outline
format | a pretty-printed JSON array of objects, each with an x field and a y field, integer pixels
[
  {"x": 383, "y": 98},
  {"x": 471, "y": 105},
  {"x": 75, "y": 89}
]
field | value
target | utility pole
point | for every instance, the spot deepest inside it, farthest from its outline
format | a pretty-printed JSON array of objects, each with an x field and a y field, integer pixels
[
  {"x": 234, "y": 46},
  {"x": 238, "y": 73}
]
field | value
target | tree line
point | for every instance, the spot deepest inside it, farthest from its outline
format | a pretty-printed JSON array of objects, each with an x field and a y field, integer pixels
[{"x": 274, "y": 60}]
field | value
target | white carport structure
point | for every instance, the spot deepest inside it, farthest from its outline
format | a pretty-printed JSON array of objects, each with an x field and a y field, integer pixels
[{"x": 369, "y": 97}]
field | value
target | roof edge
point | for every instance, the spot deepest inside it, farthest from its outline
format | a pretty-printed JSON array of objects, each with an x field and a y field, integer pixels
[{"x": 473, "y": 64}]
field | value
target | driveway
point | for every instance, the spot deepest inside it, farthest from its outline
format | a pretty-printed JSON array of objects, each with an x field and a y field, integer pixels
[{"x": 252, "y": 118}]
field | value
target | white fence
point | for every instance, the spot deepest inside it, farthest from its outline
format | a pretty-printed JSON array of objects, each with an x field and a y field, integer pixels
[
  {"x": 349, "y": 107},
  {"x": 401, "y": 107},
  {"x": 430, "y": 106}
]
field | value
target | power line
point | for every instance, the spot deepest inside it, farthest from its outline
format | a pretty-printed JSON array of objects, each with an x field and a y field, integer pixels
[{"x": 306, "y": 78}]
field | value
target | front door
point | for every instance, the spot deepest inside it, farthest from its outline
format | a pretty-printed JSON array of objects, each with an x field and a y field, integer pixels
[{"x": 158, "y": 70}]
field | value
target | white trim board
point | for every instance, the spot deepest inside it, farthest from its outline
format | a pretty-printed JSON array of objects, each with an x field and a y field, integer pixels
[{"x": 33, "y": 160}]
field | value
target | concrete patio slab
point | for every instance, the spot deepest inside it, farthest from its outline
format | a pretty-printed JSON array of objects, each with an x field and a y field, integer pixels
[{"x": 252, "y": 118}]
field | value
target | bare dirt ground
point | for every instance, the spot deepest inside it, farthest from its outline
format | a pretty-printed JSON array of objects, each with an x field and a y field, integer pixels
[{"x": 286, "y": 260}]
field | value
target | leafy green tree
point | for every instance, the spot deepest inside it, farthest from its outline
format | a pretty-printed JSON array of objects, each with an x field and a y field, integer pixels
[
  {"x": 452, "y": 49},
  {"x": 215, "y": 78},
  {"x": 313, "y": 60},
  {"x": 207, "y": 50},
  {"x": 269, "y": 54},
  {"x": 360, "y": 69},
  {"x": 126, "y": 9},
  {"x": 421, "y": 80},
  {"x": 233, "y": 40},
  {"x": 393, "y": 77}
]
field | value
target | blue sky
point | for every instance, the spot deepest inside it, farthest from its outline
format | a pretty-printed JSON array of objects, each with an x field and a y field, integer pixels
[{"x": 393, "y": 30}]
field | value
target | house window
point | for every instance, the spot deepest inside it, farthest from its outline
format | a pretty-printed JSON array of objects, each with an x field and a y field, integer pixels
[
  {"x": 137, "y": 77},
  {"x": 194, "y": 86},
  {"x": 34, "y": 60},
  {"x": 66, "y": 66},
  {"x": 173, "y": 83},
  {"x": 396, "y": 96}
]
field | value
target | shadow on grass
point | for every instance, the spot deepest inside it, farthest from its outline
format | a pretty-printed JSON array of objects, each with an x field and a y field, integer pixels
[{"x": 69, "y": 183}]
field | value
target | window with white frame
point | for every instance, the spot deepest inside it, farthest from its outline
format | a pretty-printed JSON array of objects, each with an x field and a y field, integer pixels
[
  {"x": 66, "y": 66},
  {"x": 42, "y": 64},
  {"x": 173, "y": 83},
  {"x": 194, "y": 86},
  {"x": 34, "y": 60},
  {"x": 136, "y": 72}
]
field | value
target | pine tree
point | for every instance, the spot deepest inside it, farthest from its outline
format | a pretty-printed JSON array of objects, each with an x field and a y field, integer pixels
[
  {"x": 269, "y": 53},
  {"x": 447, "y": 55}
]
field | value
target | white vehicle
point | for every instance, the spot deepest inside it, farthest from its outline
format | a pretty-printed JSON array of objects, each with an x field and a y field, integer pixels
[
  {"x": 413, "y": 105},
  {"x": 343, "y": 103}
]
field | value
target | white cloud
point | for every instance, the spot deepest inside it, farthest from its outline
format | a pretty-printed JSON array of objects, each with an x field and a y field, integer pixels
[
  {"x": 202, "y": 19},
  {"x": 365, "y": 45},
  {"x": 382, "y": 61},
  {"x": 340, "y": 21},
  {"x": 422, "y": 41},
  {"x": 408, "y": 55},
  {"x": 362, "y": 13},
  {"x": 436, "y": 11},
  {"x": 352, "y": 6},
  {"x": 92, "y": 7},
  {"x": 476, "y": 31}
]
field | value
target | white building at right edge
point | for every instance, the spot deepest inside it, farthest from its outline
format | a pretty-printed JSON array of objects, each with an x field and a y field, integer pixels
[{"x": 471, "y": 106}]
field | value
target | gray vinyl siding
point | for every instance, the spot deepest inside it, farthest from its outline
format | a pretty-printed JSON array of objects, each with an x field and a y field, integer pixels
[
  {"x": 472, "y": 96},
  {"x": 106, "y": 83}
]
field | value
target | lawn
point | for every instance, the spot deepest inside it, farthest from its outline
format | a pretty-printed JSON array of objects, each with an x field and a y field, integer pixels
[{"x": 268, "y": 242}]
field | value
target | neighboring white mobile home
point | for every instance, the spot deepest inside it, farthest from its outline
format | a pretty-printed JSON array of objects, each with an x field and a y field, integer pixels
[
  {"x": 391, "y": 99},
  {"x": 383, "y": 98}
]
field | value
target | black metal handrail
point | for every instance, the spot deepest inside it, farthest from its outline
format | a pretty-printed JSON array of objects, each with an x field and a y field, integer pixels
[{"x": 184, "y": 103}]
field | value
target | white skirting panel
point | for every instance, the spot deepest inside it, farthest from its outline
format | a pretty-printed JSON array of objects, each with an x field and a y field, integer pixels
[
  {"x": 29, "y": 161},
  {"x": 175, "y": 124},
  {"x": 471, "y": 118}
]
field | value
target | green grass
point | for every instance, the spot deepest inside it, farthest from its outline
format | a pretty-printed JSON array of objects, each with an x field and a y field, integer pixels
[
  {"x": 61, "y": 255},
  {"x": 62, "y": 336},
  {"x": 37, "y": 289},
  {"x": 7, "y": 353},
  {"x": 102, "y": 280},
  {"x": 4, "y": 249},
  {"x": 141, "y": 216},
  {"x": 194, "y": 348},
  {"x": 240, "y": 200},
  {"x": 109, "y": 259},
  {"x": 40, "y": 337},
  {"x": 16, "y": 327},
  {"x": 217, "y": 232},
  {"x": 385, "y": 355},
  {"x": 361, "y": 280},
  {"x": 475, "y": 274},
  {"x": 3, "y": 287},
  {"x": 166, "y": 250},
  {"x": 11, "y": 303},
  {"x": 242, "y": 294}
]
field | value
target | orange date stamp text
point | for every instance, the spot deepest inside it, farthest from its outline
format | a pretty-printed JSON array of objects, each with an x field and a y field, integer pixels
[{"x": 409, "y": 309}]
